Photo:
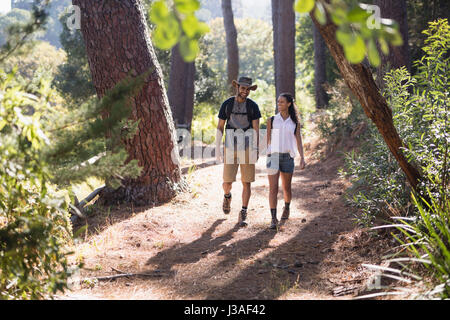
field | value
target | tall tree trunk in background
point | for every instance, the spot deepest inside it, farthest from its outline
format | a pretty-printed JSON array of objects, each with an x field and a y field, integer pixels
[
  {"x": 181, "y": 89},
  {"x": 283, "y": 18},
  {"x": 275, "y": 4},
  {"x": 359, "y": 79},
  {"x": 398, "y": 56},
  {"x": 320, "y": 71},
  {"x": 117, "y": 43},
  {"x": 232, "y": 45}
]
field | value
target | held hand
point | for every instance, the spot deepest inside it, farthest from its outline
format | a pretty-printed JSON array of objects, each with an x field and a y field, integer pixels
[{"x": 302, "y": 163}]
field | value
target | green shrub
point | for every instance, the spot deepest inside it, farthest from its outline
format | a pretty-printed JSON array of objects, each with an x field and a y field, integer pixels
[
  {"x": 34, "y": 222},
  {"x": 420, "y": 113},
  {"x": 204, "y": 122},
  {"x": 427, "y": 238},
  {"x": 343, "y": 113}
]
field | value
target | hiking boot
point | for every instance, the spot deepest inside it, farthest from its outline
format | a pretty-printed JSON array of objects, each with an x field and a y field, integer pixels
[
  {"x": 274, "y": 223},
  {"x": 226, "y": 205},
  {"x": 242, "y": 217},
  {"x": 285, "y": 214}
]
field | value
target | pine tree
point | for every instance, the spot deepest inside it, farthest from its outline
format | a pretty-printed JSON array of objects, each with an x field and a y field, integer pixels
[
  {"x": 320, "y": 73},
  {"x": 181, "y": 89},
  {"x": 283, "y": 18},
  {"x": 117, "y": 43},
  {"x": 232, "y": 45}
]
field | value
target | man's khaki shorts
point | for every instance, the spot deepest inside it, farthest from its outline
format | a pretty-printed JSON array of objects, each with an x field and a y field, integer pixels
[{"x": 247, "y": 164}]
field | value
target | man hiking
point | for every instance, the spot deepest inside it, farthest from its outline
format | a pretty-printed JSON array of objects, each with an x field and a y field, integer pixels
[{"x": 239, "y": 116}]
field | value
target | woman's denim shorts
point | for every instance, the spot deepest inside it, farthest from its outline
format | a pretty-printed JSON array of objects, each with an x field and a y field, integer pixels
[{"x": 280, "y": 161}]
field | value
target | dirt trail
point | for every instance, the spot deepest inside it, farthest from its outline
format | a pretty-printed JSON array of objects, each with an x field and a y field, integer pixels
[{"x": 194, "y": 251}]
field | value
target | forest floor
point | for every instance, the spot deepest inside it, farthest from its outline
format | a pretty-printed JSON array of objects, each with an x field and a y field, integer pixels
[{"x": 189, "y": 249}]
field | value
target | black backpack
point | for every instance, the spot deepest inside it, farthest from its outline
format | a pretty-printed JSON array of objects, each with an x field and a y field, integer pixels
[
  {"x": 250, "y": 111},
  {"x": 271, "y": 124}
]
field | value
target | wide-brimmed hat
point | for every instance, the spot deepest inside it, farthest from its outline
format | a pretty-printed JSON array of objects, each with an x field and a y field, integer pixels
[{"x": 244, "y": 81}]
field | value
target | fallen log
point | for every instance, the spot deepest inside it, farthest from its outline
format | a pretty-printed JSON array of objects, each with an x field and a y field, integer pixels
[
  {"x": 90, "y": 197},
  {"x": 77, "y": 209}
]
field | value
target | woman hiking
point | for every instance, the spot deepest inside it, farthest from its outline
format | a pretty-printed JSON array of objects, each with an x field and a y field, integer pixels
[{"x": 283, "y": 142}]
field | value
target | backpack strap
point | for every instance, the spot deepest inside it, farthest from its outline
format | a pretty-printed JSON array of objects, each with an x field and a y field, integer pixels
[
  {"x": 228, "y": 110},
  {"x": 249, "y": 110},
  {"x": 229, "y": 107}
]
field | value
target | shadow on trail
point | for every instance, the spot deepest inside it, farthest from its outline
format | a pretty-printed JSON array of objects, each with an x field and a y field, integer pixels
[
  {"x": 292, "y": 264},
  {"x": 194, "y": 251},
  {"x": 296, "y": 262}
]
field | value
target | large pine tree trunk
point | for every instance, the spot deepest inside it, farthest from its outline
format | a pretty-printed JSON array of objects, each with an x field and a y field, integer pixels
[
  {"x": 232, "y": 45},
  {"x": 117, "y": 43},
  {"x": 283, "y": 18},
  {"x": 398, "y": 56},
  {"x": 275, "y": 4},
  {"x": 359, "y": 79},
  {"x": 320, "y": 73},
  {"x": 181, "y": 89}
]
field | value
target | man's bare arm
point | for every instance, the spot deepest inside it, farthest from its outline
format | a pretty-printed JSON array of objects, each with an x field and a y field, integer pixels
[{"x": 219, "y": 135}]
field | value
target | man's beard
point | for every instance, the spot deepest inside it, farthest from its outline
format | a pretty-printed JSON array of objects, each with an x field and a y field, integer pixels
[{"x": 243, "y": 97}]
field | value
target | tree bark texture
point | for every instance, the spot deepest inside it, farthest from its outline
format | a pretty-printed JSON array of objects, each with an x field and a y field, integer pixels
[
  {"x": 117, "y": 44},
  {"x": 181, "y": 89},
  {"x": 232, "y": 45},
  {"x": 275, "y": 4},
  {"x": 398, "y": 56},
  {"x": 359, "y": 79},
  {"x": 320, "y": 72},
  {"x": 283, "y": 19}
]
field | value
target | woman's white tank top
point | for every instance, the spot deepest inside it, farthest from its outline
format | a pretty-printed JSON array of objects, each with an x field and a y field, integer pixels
[{"x": 283, "y": 136}]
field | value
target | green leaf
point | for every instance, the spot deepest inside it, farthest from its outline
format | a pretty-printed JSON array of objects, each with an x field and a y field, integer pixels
[
  {"x": 193, "y": 28},
  {"x": 203, "y": 28},
  {"x": 344, "y": 37},
  {"x": 304, "y": 6},
  {"x": 159, "y": 12},
  {"x": 187, "y": 6},
  {"x": 365, "y": 32},
  {"x": 166, "y": 35},
  {"x": 339, "y": 16},
  {"x": 189, "y": 48},
  {"x": 397, "y": 39},
  {"x": 372, "y": 53},
  {"x": 190, "y": 25},
  {"x": 383, "y": 45},
  {"x": 355, "y": 51},
  {"x": 319, "y": 14},
  {"x": 357, "y": 15},
  {"x": 393, "y": 36}
]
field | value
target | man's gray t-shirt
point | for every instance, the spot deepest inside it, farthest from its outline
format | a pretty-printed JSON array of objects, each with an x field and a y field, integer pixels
[
  {"x": 238, "y": 117},
  {"x": 239, "y": 120}
]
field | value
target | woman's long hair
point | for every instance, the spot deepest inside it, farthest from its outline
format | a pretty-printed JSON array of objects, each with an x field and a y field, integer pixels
[{"x": 292, "y": 108}]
